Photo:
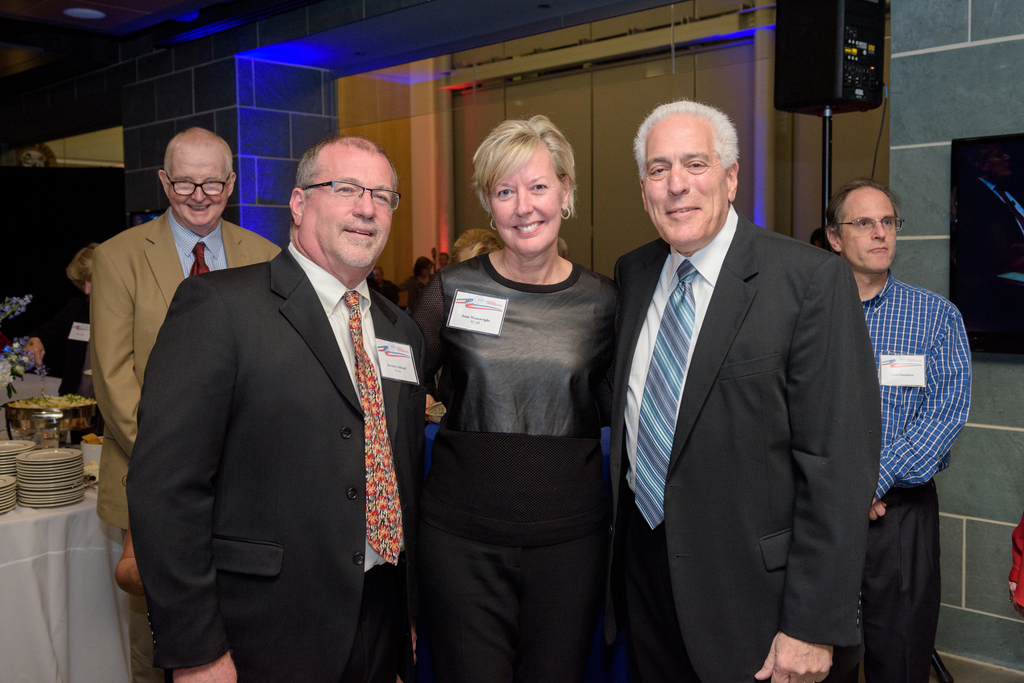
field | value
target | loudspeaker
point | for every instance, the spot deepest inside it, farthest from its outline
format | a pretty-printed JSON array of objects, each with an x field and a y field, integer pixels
[{"x": 829, "y": 53}]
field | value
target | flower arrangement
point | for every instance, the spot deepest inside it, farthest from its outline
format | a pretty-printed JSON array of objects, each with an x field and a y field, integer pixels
[{"x": 15, "y": 358}]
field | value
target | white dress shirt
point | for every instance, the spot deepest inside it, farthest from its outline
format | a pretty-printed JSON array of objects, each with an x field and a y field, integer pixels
[
  {"x": 708, "y": 264},
  {"x": 332, "y": 296}
]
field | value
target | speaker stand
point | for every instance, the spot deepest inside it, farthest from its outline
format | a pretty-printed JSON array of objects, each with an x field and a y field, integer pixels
[{"x": 826, "y": 160}]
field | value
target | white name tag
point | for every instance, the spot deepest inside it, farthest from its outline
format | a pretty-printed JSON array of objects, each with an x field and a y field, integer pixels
[
  {"x": 396, "y": 361},
  {"x": 477, "y": 313},
  {"x": 79, "y": 332},
  {"x": 901, "y": 371}
]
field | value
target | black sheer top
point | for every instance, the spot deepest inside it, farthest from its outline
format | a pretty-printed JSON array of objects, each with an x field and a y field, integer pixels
[{"x": 517, "y": 459}]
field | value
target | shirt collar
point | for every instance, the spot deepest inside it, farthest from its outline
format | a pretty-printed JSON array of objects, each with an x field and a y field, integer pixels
[
  {"x": 708, "y": 261},
  {"x": 187, "y": 240},
  {"x": 883, "y": 294},
  {"x": 329, "y": 289}
]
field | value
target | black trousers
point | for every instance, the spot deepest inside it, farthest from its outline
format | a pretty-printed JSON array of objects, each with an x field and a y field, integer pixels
[
  {"x": 657, "y": 653},
  {"x": 901, "y": 588},
  {"x": 504, "y": 614},
  {"x": 378, "y": 649},
  {"x": 656, "y": 650}
]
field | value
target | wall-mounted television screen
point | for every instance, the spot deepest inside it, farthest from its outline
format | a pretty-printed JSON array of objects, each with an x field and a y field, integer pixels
[{"x": 986, "y": 246}]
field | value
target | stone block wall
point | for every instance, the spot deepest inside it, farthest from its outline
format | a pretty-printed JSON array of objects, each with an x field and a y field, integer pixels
[
  {"x": 954, "y": 74},
  {"x": 269, "y": 114}
]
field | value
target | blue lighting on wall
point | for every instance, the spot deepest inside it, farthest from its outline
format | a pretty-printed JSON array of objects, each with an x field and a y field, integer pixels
[{"x": 295, "y": 52}]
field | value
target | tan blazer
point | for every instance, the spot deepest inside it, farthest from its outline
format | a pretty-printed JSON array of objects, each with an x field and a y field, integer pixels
[{"x": 134, "y": 277}]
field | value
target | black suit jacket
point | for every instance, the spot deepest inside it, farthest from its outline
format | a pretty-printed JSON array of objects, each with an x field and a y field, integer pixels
[
  {"x": 70, "y": 353},
  {"x": 247, "y": 479},
  {"x": 775, "y": 457}
]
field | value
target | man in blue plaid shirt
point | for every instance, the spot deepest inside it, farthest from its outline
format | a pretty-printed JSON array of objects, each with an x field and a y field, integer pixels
[{"x": 924, "y": 371}]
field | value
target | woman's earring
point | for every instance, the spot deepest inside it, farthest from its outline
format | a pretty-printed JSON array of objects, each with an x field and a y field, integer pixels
[
  {"x": 492, "y": 225},
  {"x": 565, "y": 214}
]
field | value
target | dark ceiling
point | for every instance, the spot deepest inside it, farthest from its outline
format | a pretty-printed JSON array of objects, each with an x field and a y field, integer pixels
[
  {"x": 121, "y": 16},
  {"x": 41, "y": 45}
]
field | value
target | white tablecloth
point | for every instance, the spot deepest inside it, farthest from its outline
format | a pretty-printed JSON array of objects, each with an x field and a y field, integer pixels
[{"x": 62, "y": 617}]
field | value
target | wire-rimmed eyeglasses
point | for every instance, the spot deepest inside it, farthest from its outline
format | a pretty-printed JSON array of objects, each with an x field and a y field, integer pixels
[
  {"x": 351, "y": 192},
  {"x": 863, "y": 226}
]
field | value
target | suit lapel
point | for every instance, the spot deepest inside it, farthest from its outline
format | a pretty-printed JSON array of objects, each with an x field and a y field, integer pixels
[
  {"x": 302, "y": 308},
  {"x": 235, "y": 250},
  {"x": 162, "y": 256},
  {"x": 636, "y": 293},
  {"x": 728, "y": 307},
  {"x": 636, "y": 299},
  {"x": 384, "y": 328}
]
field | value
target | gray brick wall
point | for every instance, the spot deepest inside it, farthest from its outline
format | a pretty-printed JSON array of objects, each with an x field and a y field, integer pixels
[{"x": 947, "y": 83}]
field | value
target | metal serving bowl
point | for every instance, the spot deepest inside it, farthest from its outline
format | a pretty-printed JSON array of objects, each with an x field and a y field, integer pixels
[{"x": 61, "y": 419}]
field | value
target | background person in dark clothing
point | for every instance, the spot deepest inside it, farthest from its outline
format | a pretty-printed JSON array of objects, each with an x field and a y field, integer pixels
[
  {"x": 69, "y": 330},
  {"x": 415, "y": 283},
  {"x": 386, "y": 287}
]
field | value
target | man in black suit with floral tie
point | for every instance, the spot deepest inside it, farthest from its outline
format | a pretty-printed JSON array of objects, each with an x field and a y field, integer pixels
[{"x": 274, "y": 482}]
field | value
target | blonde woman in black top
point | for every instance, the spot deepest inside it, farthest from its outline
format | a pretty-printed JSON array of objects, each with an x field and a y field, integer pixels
[{"x": 513, "y": 529}]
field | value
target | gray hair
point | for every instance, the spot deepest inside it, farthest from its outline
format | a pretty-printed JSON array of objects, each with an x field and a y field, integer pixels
[
  {"x": 726, "y": 140},
  {"x": 308, "y": 169}
]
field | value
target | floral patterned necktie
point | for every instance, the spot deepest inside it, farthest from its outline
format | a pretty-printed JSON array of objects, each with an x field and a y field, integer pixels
[{"x": 383, "y": 512}]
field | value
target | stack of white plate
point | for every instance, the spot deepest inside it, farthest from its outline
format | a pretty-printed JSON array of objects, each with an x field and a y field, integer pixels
[
  {"x": 9, "y": 449},
  {"x": 8, "y": 493},
  {"x": 50, "y": 477}
]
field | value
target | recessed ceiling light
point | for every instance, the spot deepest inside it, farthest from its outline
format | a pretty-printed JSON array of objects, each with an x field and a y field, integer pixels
[{"x": 84, "y": 13}]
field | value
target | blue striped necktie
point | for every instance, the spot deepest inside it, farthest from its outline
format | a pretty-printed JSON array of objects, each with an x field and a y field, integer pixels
[{"x": 660, "y": 406}]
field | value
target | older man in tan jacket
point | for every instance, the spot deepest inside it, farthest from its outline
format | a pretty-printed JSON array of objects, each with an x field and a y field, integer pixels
[{"x": 135, "y": 275}]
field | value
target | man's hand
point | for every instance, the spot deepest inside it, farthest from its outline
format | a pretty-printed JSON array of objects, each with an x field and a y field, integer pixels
[
  {"x": 36, "y": 348},
  {"x": 1016, "y": 605},
  {"x": 412, "y": 625},
  {"x": 126, "y": 573},
  {"x": 794, "y": 661},
  {"x": 220, "y": 670},
  {"x": 877, "y": 509}
]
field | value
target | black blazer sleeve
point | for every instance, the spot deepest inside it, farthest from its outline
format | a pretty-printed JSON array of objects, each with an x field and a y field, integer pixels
[
  {"x": 186, "y": 403},
  {"x": 834, "y": 411}
]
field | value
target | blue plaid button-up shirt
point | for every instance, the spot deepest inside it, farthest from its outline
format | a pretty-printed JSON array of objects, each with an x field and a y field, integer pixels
[{"x": 919, "y": 424}]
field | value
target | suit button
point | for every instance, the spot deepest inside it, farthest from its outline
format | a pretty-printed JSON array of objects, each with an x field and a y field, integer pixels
[
  {"x": 346, "y": 432},
  {"x": 357, "y": 558},
  {"x": 352, "y": 493}
]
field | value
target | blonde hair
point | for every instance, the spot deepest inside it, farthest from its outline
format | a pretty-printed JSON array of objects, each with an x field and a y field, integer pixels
[
  {"x": 473, "y": 243},
  {"x": 511, "y": 144},
  {"x": 79, "y": 271}
]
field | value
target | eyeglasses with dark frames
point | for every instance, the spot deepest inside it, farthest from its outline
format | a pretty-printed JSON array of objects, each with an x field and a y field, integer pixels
[{"x": 210, "y": 188}]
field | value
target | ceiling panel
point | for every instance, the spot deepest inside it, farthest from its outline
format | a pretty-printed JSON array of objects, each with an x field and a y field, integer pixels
[{"x": 122, "y": 16}]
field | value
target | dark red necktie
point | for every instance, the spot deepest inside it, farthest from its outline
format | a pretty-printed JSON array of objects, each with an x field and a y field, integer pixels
[{"x": 199, "y": 264}]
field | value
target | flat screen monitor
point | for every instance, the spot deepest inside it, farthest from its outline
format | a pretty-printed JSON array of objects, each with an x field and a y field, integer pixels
[{"x": 986, "y": 246}]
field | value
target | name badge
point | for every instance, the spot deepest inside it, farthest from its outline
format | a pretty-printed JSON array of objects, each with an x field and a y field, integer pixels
[
  {"x": 396, "y": 362},
  {"x": 477, "y": 313},
  {"x": 79, "y": 332},
  {"x": 901, "y": 371}
]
